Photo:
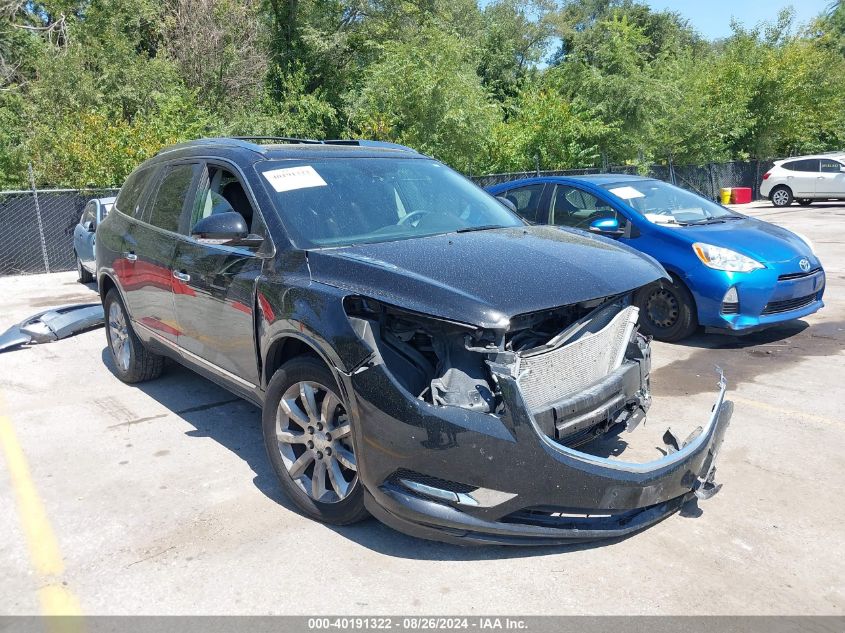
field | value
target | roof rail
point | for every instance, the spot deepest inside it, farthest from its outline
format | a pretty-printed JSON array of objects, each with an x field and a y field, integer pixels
[
  {"x": 251, "y": 143},
  {"x": 282, "y": 139},
  {"x": 246, "y": 142},
  {"x": 369, "y": 143}
]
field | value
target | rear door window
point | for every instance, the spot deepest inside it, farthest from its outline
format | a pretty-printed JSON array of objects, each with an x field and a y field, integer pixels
[
  {"x": 526, "y": 200},
  {"x": 129, "y": 199},
  {"x": 165, "y": 212},
  {"x": 807, "y": 164}
]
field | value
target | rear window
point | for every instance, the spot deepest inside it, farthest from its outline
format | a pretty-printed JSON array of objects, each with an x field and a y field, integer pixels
[
  {"x": 130, "y": 194},
  {"x": 806, "y": 164}
]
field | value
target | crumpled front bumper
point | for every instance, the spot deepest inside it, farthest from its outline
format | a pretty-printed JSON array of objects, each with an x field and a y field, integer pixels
[{"x": 507, "y": 482}]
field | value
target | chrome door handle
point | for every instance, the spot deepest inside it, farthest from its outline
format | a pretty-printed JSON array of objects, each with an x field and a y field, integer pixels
[
  {"x": 131, "y": 256},
  {"x": 181, "y": 276}
]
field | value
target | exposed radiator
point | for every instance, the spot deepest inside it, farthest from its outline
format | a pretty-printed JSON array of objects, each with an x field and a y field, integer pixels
[{"x": 548, "y": 377}]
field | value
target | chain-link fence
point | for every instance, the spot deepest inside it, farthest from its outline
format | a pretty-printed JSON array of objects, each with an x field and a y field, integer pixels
[
  {"x": 36, "y": 228},
  {"x": 704, "y": 179}
]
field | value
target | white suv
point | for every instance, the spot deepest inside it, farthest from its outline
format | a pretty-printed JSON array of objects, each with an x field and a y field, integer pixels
[{"x": 805, "y": 178}]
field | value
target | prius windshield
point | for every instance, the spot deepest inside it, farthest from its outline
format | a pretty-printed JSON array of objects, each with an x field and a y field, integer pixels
[
  {"x": 343, "y": 201},
  {"x": 662, "y": 203}
]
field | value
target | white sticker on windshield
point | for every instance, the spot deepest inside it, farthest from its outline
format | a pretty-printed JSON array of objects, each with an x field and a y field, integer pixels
[
  {"x": 626, "y": 193},
  {"x": 292, "y": 178}
]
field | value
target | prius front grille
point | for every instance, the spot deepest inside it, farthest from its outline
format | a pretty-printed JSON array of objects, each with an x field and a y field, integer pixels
[
  {"x": 776, "y": 307},
  {"x": 800, "y": 275},
  {"x": 548, "y": 377}
]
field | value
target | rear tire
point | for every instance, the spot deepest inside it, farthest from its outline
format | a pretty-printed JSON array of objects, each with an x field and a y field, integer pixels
[
  {"x": 667, "y": 311},
  {"x": 781, "y": 196},
  {"x": 84, "y": 276},
  {"x": 310, "y": 443},
  {"x": 132, "y": 361}
]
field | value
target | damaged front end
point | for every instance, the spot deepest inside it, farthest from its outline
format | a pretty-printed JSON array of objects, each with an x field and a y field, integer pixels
[{"x": 505, "y": 409}]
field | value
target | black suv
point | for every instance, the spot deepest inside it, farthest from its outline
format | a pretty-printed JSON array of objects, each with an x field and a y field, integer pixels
[{"x": 419, "y": 353}]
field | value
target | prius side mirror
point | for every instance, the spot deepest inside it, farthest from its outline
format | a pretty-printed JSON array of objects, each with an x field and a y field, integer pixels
[{"x": 606, "y": 226}]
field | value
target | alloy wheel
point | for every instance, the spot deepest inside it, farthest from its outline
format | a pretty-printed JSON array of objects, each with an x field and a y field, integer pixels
[
  {"x": 780, "y": 198},
  {"x": 314, "y": 438},
  {"x": 119, "y": 336},
  {"x": 662, "y": 308}
]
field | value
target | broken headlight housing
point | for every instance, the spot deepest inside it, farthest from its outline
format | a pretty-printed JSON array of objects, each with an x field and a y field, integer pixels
[{"x": 435, "y": 360}]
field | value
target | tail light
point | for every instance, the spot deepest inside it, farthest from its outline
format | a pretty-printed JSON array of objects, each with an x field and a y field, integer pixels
[{"x": 766, "y": 175}]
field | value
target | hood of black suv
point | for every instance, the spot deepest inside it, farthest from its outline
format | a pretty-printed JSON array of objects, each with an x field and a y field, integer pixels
[{"x": 484, "y": 278}]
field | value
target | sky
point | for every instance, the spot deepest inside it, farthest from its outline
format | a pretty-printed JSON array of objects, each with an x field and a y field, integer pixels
[{"x": 712, "y": 18}]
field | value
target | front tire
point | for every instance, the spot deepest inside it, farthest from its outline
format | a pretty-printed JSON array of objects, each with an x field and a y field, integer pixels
[
  {"x": 781, "y": 196},
  {"x": 84, "y": 276},
  {"x": 308, "y": 436},
  {"x": 667, "y": 311},
  {"x": 132, "y": 361}
]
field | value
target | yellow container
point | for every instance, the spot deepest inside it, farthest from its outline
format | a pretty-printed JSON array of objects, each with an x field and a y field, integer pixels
[{"x": 725, "y": 195}]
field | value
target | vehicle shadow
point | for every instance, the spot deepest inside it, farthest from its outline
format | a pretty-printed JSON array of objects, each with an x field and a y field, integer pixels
[
  {"x": 234, "y": 423},
  {"x": 768, "y": 336}
]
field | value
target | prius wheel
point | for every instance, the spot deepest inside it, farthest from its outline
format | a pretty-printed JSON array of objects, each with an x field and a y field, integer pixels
[
  {"x": 84, "y": 276},
  {"x": 667, "y": 311},
  {"x": 781, "y": 196},
  {"x": 308, "y": 436},
  {"x": 132, "y": 361}
]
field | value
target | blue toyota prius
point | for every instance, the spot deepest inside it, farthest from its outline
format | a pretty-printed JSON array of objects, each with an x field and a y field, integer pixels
[{"x": 730, "y": 272}]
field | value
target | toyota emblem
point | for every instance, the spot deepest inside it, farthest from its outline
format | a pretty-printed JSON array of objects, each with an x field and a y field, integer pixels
[{"x": 804, "y": 264}]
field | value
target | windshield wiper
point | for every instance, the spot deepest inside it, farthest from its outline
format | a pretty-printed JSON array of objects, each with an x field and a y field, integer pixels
[
  {"x": 703, "y": 222},
  {"x": 483, "y": 227}
]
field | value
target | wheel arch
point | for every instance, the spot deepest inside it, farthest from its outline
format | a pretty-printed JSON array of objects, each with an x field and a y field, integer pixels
[
  {"x": 290, "y": 345},
  {"x": 677, "y": 278},
  {"x": 781, "y": 186},
  {"x": 106, "y": 283}
]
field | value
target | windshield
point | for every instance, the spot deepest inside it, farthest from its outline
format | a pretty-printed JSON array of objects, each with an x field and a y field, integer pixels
[
  {"x": 338, "y": 202},
  {"x": 663, "y": 203}
]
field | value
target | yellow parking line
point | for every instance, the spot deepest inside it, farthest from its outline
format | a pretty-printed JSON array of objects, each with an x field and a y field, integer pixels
[
  {"x": 777, "y": 409},
  {"x": 43, "y": 547}
]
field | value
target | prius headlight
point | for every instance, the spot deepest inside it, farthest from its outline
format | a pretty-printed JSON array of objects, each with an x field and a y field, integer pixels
[{"x": 720, "y": 258}]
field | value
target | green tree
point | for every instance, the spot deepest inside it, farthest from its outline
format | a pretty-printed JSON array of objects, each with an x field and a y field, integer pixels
[
  {"x": 549, "y": 131},
  {"x": 424, "y": 92}
]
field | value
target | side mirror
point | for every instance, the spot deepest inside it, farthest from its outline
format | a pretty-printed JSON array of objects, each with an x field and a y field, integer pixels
[
  {"x": 606, "y": 226},
  {"x": 509, "y": 204},
  {"x": 221, "y": 227}
]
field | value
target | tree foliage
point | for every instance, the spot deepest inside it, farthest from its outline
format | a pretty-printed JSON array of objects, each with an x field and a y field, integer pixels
[{"x": 89, "y": 88}]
